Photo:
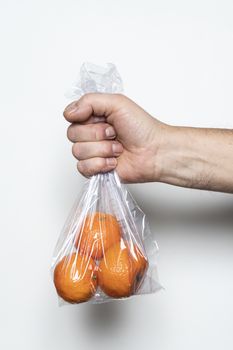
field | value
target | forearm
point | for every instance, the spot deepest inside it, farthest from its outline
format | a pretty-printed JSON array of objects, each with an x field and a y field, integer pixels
[{"x": 197, "y": 158}]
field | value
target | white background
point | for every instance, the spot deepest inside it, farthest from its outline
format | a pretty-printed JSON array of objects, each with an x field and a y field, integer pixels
[{"x": 176, "y": 60}]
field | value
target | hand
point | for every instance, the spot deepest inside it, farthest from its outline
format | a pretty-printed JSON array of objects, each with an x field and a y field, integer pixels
[{"x": 111, "y": 131}]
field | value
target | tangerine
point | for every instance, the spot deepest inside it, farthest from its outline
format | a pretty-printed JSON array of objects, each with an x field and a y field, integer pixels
[
  {"x": 75, "y": 278},
  {"x": 121, "y": 270},
  {"x": 98, "y": 233}
]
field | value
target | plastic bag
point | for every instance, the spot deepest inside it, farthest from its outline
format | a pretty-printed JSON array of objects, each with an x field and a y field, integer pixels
[{"x": 105, "y": 251}]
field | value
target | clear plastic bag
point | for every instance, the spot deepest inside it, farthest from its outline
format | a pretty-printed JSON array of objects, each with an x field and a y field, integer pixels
[{"x": 105, "y": 251}]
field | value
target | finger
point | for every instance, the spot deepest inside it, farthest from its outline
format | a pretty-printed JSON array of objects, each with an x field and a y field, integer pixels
[
  {"x": 90, "y": 132},
  {"x": 94, "y": 166},
  {"x": 103, "y": 149},
  {"x": 97, "y": 104},
  {"x": 94, "y": 120}
]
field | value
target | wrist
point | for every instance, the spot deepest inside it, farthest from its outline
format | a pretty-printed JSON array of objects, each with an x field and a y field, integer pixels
[{"x": 177, "y": 160}]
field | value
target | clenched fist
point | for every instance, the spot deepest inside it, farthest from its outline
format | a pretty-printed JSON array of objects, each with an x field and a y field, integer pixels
[{"x": 111, "y": 131}]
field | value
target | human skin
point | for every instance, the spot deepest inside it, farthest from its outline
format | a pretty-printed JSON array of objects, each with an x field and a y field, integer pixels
[{"x": 110, "y": 131}]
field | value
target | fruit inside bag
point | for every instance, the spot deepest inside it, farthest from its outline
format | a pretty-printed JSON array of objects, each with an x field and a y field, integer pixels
[{"x": 105, "y": 250}]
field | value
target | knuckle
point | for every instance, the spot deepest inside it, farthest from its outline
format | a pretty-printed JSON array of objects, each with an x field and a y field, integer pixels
[
  {"x": 99, "y": 132},
  {"x": 86, "y": 168},
  {"x": 86, "y": 98},
  {"x": 66, "y": 115},
  {"x": 81, "y": 168},
  {"x": 88, "y": 95},
  {"x": 91, "y": 167},
  {"x": 83, "y": 99},
  {"x": 119, "y": 96},
  {"x": 107, "y": 149},
  {"x": 76, "y": 150},
  {"x": 99, "y": 164},
  {"x": 71, "y": 133}
]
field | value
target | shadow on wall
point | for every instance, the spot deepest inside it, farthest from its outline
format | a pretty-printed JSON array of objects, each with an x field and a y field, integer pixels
[
  {"x": 173, "y": 215},
  {"x": 177, "y": 206},
  {"x": 106, "y": 319}
]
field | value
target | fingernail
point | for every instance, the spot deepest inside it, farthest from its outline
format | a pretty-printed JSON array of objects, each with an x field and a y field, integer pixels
[
  {"x": 117, "y": 148},
  {"x": 71, "y": 109},
  {"x": 71, "y": 106},
  {"x": 110, "y": 132},
  {"x": 111, "y": 161},
  {"x": 77, "y": 111}
]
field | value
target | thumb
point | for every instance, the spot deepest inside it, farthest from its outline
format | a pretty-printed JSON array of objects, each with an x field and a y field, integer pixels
[{"x": 97, "y": 104}]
